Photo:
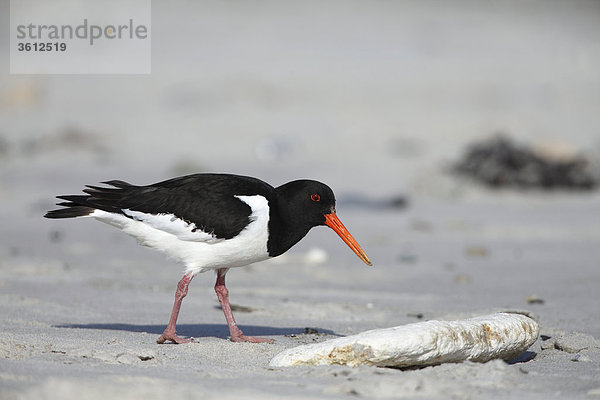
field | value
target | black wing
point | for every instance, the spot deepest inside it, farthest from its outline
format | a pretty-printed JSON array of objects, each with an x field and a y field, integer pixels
[{"x": 206, "y": 200}]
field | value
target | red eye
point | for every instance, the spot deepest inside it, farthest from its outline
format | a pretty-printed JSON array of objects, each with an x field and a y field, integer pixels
[{"x": 315, "y": 197}]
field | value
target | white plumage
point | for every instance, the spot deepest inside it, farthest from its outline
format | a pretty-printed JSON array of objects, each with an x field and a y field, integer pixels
[
  {"x": 199, "y": 251},
  {"x": 170, "y": 223}
]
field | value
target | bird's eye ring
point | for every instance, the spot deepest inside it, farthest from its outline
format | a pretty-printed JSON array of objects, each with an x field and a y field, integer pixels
[{"x": 315, "y": 197}]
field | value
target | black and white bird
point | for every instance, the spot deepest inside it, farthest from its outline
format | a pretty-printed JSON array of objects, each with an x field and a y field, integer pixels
[{"x": 211, "y": 222}]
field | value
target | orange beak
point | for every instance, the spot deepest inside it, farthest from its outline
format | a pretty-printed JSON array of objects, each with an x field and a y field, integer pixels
[{"x": 332, "y": 221}]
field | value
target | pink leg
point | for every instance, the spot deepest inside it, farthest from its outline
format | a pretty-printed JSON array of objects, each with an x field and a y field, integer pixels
[
  {"x": 170, "y": 333},
  {"x": 223, "y": 294}
]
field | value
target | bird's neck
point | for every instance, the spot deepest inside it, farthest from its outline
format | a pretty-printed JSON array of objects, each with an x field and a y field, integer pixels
[{"x": 283, "y": 233}]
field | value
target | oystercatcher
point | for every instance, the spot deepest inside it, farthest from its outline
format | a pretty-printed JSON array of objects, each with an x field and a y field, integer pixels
[{"x": 211, "y": 222}]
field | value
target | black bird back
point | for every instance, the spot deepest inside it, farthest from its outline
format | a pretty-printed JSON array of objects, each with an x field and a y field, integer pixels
[{"x": 198, "y": 199}]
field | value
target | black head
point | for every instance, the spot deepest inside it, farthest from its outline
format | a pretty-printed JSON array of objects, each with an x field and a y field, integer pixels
[{"x": 305, "y": 202}]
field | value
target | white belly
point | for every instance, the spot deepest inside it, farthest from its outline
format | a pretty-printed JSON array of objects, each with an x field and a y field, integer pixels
[{"x": 202, "y": 251}]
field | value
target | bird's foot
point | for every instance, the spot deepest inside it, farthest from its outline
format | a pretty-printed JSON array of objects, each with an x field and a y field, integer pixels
[
  {"x": 250, "y": 339},
  {"x": 172, "y": 336}
]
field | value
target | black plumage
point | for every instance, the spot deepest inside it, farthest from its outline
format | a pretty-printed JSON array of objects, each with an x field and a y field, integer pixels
[{"x": 198, "y": 199}]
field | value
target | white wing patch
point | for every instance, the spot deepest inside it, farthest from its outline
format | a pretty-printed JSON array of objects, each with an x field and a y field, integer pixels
[{"x": 176, "y": 226}]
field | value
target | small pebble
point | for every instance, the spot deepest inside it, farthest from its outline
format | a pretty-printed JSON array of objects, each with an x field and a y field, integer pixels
[
  {"x": 146, "y": 355},
  {"x": 477, "y": 252},
  {"x": 462, "y": 278},
  {"x": 580, "y": 358},
  {"x": 534, "y": 299},
  {"x": 548, "y": 345},
  {"x": 575, "y": 342}
]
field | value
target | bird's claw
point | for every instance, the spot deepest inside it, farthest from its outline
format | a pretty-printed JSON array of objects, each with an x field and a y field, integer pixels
[{"x": 172, "y": 337}]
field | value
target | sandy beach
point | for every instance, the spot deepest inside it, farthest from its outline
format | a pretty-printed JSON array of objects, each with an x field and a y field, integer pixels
[{"x": 377, "y": 100}]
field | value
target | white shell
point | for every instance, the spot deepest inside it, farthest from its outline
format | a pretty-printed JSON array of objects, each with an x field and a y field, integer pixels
[{"x": 499, "y": 335}]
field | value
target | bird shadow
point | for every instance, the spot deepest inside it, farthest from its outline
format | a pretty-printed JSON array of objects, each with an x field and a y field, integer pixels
[{"x": 202, "y": 330}]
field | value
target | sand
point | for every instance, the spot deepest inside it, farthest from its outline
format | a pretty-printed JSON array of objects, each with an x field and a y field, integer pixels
[{"x": 279, "y": 93}]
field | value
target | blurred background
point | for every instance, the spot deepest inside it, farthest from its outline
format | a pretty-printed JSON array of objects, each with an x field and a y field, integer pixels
[
  {"x": 381, "y": 100},
  {"x": 371, "y": 97},
  {"x": 461, "y": 138}
]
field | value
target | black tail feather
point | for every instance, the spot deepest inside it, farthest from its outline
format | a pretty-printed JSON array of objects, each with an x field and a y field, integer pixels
[
  {"x": 103, "y": 192},
  {"x": 96, "y": 197},
  {"x": 73, "y": 210},
  {"x": 77, "y": 199},
  {"x": 118, "y": 184}
]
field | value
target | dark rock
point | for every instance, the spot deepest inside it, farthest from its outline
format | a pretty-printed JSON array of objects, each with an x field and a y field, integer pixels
[{"x": 498, "y": 163}]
